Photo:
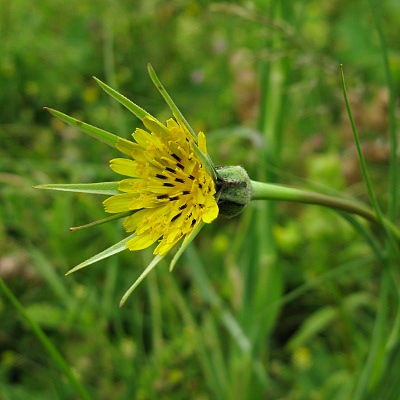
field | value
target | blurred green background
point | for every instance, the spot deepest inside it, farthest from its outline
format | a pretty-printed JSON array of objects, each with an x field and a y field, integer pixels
[{"x": 282, "y": 302}]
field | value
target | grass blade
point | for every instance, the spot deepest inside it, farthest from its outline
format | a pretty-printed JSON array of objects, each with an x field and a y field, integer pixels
[
  {"x": 363, "y": 166},
  {"x": 47, "y": 344}
]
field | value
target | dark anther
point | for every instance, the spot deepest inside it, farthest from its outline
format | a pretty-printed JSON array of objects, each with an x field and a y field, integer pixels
[
  {"x": 162, "y": 196},
  {"x": 168, "y": 184},
  {"x": 191, "y": 177},
  {"x": 180, "y": 166},
  {"x": 186, "y": 192},
  {"x": 161, "y": 176},
  {"x": 177, "y": 158},
  {"x": 176, "y": 216},
  {"x": 200, "y": 185},
  {"x": 170, "y": 170},
  {"x": 193, "y": 222},
  {"x": 183, "y": 207},
  {"x": 174, "y": 198},
  {"x": 179, "y": 180}
]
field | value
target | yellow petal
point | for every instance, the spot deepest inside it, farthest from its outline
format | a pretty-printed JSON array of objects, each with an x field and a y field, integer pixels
[
  {"x": 202, "y": 143},
  {"x": 127, "y": 185},
  {"x": 118, "y": 203},
  {"x": 141, "y": 242},
  {"x": 164, "y": 247},
  {"x": 142, "y": 137},
  {"x": 211, "y": 213},
  {"x": 131, "y": 223},
  {"x": 171, "y": 123},
  {"x": 155, "y": 126},
  {"x": 123, "y": 166}
]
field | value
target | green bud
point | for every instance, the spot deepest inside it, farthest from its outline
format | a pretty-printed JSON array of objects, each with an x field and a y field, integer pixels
[{"x": 234, "y": 189}]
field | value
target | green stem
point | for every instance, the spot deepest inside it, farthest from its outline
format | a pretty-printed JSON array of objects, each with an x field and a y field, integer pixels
[{"x": 267, "y": 191}]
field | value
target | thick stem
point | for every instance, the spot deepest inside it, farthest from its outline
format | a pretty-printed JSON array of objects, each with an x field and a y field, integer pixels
[{"x": 267, "y": 191}]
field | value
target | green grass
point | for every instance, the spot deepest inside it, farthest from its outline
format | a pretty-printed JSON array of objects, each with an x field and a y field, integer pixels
[{"x": 286, "y": 301}]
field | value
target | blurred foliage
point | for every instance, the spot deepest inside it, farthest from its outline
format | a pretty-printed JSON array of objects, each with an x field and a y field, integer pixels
[{"x": 188, "y": 334}]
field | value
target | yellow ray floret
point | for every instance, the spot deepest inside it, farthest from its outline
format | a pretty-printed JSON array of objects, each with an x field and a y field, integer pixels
[{"x": 168, "y": 190}]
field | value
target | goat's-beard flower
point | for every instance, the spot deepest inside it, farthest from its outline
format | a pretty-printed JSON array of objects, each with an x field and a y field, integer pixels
[{"x": 171, "y": 187}]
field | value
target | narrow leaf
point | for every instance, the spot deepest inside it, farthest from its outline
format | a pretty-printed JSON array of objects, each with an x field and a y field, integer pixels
[
  {"x": 97, "y": 133},
  {"x": 132, "y": 107},
  {"x": 143, "y": 275},
  {"x": 116, "y": 248},
  {"x": 184, "y": 245},
  {"x": 106, "y": 188}
]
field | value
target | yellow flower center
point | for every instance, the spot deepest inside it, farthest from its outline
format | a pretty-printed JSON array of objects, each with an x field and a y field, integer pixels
[{"x": 168, "y": 189}]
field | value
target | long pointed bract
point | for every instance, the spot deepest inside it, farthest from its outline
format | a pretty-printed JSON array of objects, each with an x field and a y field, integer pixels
[
  {"x": 143, "y": 275},
  {"x": 116, "y": 248},
  {"x": 105, "y": 188},
  {"x": 175, "y": 110},
  {"x": 100, "y": 221},
  {"x": 132, "y": 107},
  {"x": 184, "y": 245},
  {"x": 97, "y": 133}
]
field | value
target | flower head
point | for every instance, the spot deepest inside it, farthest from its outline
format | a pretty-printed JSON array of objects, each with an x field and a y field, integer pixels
[{"x": 168, "y": 190}]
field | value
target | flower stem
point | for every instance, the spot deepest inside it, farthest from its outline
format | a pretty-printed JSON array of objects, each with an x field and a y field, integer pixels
[{"x": 267, "y": 191}]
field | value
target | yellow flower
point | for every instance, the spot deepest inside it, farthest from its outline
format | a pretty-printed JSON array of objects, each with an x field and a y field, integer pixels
[
  {"x": 171, "y": 188},
  {"x": 168, "y": 190}
]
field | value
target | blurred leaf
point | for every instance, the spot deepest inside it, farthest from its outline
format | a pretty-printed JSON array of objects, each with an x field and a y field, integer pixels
[{"x": 312, "y": 326}]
